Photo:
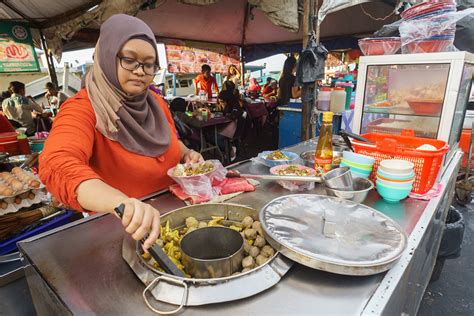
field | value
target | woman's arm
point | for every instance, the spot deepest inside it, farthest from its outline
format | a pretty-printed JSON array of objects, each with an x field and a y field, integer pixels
[
  {"x": 189, "y": 155},
  {"x": 65, "y": 171}
]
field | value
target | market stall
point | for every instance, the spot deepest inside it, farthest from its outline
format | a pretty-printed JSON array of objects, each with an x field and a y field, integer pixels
[{"x": 78, "y": 269}]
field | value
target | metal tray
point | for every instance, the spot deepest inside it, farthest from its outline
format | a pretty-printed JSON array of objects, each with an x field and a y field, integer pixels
[
  {"x": 332, "y": 234},
  {"x": 192, "y": 292}
]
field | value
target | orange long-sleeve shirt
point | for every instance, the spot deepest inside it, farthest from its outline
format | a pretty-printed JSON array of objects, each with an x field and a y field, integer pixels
[{"x": 75, "y": 152}]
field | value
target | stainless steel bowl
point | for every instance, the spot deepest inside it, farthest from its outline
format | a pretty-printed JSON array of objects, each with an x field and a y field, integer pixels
[
  {"x": 339, "y": 178},
  {"x": 212, "y": 252},
  {"x": 308, "y": 157},
  {"x": 361, "y": 188}
]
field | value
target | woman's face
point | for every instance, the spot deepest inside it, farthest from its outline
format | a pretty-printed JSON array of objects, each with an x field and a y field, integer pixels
[
  {"x": 134, "y": 82},
  {"x": 232, "y": 70}
]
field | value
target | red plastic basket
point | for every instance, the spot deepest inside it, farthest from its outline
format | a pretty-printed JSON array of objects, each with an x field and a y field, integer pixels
[{"x": 427, "y": 163}]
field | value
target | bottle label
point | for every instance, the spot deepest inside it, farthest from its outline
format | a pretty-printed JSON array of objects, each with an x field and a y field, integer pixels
[{"x": 325, "y": 163}]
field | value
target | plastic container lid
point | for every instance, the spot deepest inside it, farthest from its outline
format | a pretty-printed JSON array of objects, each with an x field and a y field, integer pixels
[
  {"x": 325, "y": 89},
  {"x": 339, "y": 88},
  {"x": 332, "y": 234}
]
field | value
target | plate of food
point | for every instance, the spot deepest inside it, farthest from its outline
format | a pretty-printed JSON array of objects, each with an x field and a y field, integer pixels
[
  {"x": 277, "y": 157},
  {"x": 294, "y": 170}
]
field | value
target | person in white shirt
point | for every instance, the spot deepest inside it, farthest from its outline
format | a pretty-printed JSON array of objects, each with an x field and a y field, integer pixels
[
  {"x": 19, "y": 108},
  {"x": 54, "y": 97}
]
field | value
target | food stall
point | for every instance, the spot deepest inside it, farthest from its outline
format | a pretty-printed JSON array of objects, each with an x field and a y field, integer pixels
[{"x": 78, "y": 269}]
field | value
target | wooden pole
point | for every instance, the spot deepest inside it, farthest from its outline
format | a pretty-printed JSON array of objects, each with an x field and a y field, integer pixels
[
  {"x": 49, "y": 60},
  {"x": 307, "y": 91}
]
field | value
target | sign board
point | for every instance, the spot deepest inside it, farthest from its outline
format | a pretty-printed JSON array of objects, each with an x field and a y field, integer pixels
[
  {"x": 17, "y": 53},
  {"x": 188, "y": 56}
]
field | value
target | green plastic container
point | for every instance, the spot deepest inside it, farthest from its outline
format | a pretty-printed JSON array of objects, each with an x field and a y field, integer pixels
[{"x": 36, "y": 147}]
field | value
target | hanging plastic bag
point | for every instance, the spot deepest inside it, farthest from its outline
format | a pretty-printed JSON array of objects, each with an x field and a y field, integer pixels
[
  {"x": 311, "y": 63},
  {"x": 433, "y": 33}
]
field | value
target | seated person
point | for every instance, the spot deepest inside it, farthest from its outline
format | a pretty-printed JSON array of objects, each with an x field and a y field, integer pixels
[
  {"x": 267, "y": 84},
  {"x": 20, "y": 109},
  {"x": 229, "y": 102},
  {"x": 271, "y": 91},
  {"x": 54, "y": 97},
  {"x": 254, "y": 88},
  {"x": 206, "y": 82}
]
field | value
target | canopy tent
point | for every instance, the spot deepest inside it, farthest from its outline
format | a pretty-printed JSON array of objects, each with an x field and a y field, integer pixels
[{"x": 75, "y": 23}]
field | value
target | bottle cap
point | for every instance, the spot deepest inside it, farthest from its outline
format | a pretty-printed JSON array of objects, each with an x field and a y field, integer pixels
[
  {"x": 327, "y": 117},
  {"x": 339, "y": 88}
]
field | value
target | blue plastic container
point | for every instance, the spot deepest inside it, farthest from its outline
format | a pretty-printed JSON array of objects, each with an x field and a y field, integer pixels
[
  {"x": 392, "y": 194},
  {"x": 9, "y": 245},
  {"x": 358, "y": 158}
]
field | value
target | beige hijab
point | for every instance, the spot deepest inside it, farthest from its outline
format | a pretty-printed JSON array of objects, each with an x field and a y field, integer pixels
[{"x": 136, "y": 122}]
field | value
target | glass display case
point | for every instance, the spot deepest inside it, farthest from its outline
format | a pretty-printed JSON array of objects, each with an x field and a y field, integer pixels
[{"x": 425, "y": 93}]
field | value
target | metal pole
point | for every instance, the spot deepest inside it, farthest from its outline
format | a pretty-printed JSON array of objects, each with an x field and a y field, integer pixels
[
  {"x": 49, "y": 60},
  {"x": 307, "y": 91}
]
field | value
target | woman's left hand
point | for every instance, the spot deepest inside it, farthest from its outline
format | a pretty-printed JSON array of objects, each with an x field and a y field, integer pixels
[{"x": 192, "y": 156}]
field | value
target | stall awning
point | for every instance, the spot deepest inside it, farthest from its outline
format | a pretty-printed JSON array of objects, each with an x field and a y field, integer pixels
[{"x": 240, "y": 22}]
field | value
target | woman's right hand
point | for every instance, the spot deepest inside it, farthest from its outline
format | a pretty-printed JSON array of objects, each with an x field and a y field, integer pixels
[{"x": 140, "y": 219}]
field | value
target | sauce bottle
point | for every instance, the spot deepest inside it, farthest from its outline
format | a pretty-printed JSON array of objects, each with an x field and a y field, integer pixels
[{"x": 323, "y": 156}]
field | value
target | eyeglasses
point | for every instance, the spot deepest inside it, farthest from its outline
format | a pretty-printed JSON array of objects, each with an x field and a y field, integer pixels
[{"x": 133, "y": 64}]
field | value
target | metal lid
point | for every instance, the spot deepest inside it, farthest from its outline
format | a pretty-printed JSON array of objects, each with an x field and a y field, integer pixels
[{"x": 332, "y": 234}]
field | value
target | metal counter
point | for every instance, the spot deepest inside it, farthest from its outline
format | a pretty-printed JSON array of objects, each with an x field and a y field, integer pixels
[{"x": 78, "y": 269}]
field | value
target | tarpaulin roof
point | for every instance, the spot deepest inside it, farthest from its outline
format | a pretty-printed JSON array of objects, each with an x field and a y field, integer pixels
[{"x": 218, "y": 21}]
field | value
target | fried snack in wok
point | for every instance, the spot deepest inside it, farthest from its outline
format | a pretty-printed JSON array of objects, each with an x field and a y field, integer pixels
[{"x": 254, "y": 240}]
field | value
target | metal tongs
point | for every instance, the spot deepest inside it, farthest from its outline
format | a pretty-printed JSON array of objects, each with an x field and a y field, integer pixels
[
  {"x": 156, "y": 252},
  {"x": 345, "y": 136},
  {"x": 236, "y": 174}
]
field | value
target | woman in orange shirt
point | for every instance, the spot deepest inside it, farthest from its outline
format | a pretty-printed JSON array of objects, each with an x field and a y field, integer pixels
[{"x": 114, "y": 141}]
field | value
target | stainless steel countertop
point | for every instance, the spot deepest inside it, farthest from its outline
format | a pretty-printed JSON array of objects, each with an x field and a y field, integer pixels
[{"x": 83, "y": 265}]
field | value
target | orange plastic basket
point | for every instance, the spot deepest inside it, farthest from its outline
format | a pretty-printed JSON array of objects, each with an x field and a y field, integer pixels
[{"x": 427, "y": 163}]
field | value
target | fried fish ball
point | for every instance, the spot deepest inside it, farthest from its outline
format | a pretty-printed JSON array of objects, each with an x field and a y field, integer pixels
[
  {"x": 246, "y": 270},
  {"x": 258, "y": 227},
  {"x": 268, "y": 251},
  {"x": 254, "y": 251},
  {"x": 192, "y": 222},
  {"x": 247, "y": 246},
  {"x": 248, "y": 262},
  {"x": 247, "y": 221},
  {"x": 146, "y": 256},
  {"x": 261, "y": 259},
  {"x": 250, "y": 233},
  {"x": 202, "y": 224},
  {"x": 3, "y": 205},
  {"x": 259, "y": 242}
]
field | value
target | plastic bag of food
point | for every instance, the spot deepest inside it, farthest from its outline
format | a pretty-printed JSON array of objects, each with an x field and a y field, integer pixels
[
  {"x": 431, "y": 33},
  {"x": 199, "y": 179}
]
